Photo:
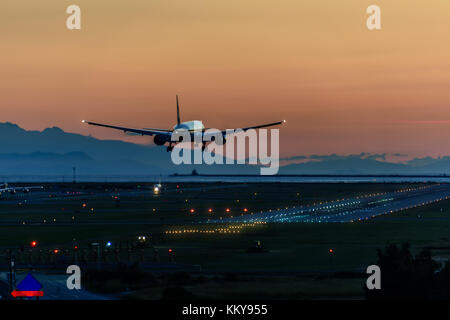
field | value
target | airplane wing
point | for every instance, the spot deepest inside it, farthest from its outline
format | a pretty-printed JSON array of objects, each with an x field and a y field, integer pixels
[
  {"x": 168, "y": 133},
  {"x": 224, "y": 132},
  {"x": 143, "y": 132},
  {"x": 265, "y": 125}
]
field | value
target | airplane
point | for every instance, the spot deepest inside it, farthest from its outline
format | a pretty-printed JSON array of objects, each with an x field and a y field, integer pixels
[
  {"x": 163, "y": 136},
  {"x": 13, "y": 190}
]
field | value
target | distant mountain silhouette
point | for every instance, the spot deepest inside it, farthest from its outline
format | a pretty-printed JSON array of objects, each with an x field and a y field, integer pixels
[
  {"x": 54, "y": 152},
  {"x": 346, "y": 166},
  {"x": 366, "y": 164}
]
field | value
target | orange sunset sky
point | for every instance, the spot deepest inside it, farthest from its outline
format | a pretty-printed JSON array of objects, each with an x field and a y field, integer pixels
[{"x": 342, "y": 88}]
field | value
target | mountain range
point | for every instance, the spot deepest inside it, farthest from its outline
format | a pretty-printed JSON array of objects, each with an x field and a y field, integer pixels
[{"x": 55, "y": 152}]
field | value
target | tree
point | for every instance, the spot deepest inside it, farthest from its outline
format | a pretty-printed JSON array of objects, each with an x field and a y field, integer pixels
[{"x": 404, "y": 276}]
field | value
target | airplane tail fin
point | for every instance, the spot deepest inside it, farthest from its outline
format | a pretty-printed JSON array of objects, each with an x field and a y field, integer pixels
[{"x": 178, "y": 112}]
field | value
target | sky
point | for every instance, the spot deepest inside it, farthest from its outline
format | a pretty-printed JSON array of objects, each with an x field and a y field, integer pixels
[{"x": 342, "y": 88}]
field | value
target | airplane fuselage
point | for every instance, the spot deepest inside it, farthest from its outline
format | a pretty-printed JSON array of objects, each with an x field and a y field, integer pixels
[{"x": 194, "y": 126}]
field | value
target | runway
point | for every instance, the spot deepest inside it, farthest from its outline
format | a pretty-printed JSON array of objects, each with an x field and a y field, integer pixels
[
  {"x": 350, "y": 210},
  {"x": 339, "y": 211}
]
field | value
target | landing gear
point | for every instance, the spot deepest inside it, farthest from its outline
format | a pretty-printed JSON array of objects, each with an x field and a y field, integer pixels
[
  {"x": 169, "y": 148},
  {"x": 203, "y": 146}
]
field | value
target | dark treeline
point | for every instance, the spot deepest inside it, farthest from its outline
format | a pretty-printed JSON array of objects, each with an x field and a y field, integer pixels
[{"x": 405, "y": 276}]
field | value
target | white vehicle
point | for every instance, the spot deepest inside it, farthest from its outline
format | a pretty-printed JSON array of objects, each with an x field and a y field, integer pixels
[{"x": 163, "y": 136}]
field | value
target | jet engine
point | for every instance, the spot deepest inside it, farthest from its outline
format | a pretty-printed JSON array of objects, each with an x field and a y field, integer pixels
[{"x": 159, "y": 140}]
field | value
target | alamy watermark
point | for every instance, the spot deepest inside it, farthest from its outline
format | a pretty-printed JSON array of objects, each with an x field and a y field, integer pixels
[
  {"x": 74, "y": 280},
  {"x": 373, "y": 22},
  {"x": 218, "y": 147},
  {"x": 374, "y": 280}
]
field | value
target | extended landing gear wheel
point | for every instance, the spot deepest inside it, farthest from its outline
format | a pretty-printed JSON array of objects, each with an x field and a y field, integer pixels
[{"x": 169, "y": 148}]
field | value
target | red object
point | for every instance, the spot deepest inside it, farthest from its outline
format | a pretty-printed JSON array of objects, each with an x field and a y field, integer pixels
[
  {"x": 192, "y": 210},
  {"x": 76, "y": 247},
  {"x": 227, "y": 209},
  {"x": 55, "y": 251},
  {"x": 170, "y": 250},
  {"x": 209, "y": 210},
  {"x": 331, "y": 250},
  {"x": 16, "y": 293},
  {"x": 245, "y": 210},
  {"x": 33, "y": 243}
]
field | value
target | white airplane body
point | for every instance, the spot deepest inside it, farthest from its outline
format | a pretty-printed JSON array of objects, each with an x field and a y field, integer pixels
[{"x": 163, "y": 136}]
